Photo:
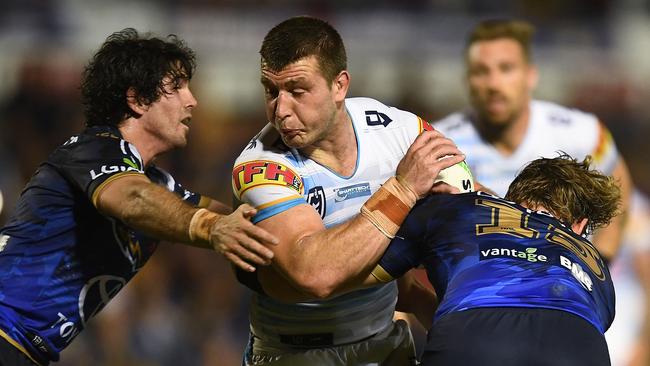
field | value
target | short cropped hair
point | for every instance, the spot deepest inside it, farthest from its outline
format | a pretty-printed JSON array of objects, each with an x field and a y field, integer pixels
[
  {"x": 488, "y": 30},
  {"x": 568, "y": 189},
  {"x": 130, "y": 60},
  {"x": 304, "y": 36}
]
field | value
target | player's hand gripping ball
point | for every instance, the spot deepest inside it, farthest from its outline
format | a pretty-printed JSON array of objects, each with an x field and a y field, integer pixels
[{"x": 458, "y": 176}]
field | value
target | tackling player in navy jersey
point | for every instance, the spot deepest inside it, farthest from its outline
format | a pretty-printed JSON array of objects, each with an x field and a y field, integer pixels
[
  {"x": 518, "y": 283},
  {"x": 86, "y": 221}
]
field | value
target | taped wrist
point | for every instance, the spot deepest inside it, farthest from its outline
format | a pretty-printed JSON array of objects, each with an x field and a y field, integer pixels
[
  {"x": 200, "y": 225},
  {"x": 388, "y": 207}
]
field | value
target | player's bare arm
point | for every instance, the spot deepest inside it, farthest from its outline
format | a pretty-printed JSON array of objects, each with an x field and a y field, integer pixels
[
  {"x": 416, "y": 298},
  {"x": 145, "y": 206},
  {"x": 320, "y": 262}
]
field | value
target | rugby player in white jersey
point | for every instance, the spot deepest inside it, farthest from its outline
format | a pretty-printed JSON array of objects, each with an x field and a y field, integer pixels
[
  {"x": 333, "y": 178},
  {"x": 505, "y": 128}
]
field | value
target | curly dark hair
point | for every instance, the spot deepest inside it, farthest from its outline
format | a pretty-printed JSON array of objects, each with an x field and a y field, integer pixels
[
  {"x": 304, "y": 36},
  {"x": 568, "y": 189},
  {"x": 130, "y": 60}
]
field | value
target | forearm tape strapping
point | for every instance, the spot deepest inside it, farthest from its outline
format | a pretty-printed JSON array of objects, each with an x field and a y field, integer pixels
[
  {"x": 200, "y": 225},
  {"x": 388, "y": 207}
]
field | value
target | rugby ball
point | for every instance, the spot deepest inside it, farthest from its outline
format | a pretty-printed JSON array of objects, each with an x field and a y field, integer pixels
[{"x": 457, "y": 175}]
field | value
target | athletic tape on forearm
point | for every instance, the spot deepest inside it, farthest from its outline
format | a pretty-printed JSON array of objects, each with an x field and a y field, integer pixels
[
  {"x": 201, "y": 223},
  {"x": 388, "y": 207}
]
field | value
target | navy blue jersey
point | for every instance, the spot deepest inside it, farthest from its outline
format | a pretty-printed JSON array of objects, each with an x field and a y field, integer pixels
[
  {"x": 484, "y": 251},
  {"x": 61, "y": 261}
]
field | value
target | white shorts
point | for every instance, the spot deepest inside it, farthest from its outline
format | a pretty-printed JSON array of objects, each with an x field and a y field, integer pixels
[{"x": 391, "y": 347}]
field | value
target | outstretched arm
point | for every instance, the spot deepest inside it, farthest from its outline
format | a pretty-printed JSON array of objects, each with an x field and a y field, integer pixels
[{"x": 147, "y": 207}]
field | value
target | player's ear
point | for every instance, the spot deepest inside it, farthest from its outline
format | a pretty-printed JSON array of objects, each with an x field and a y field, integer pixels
[
  {"x": 579, "y": 227},
  {"x": 133, "y": 102},
  {"x": 340, "y": 86}
]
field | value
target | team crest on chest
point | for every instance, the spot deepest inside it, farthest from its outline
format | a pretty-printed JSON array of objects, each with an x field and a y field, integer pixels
[{"x": 316, "y": 198}]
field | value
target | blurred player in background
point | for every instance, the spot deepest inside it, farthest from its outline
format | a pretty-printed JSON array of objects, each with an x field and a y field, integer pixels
[
  {"x": 86, "y": 221},
  {"x": 333, "y": 178},
  {"x": 629, "y": 336},
  {"x": 505, "y": 128}
]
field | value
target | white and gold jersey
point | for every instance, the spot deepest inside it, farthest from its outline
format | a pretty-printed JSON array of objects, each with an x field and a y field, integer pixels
[
  {"x": 273, "y": 178},
  {"x": 553, "y": 128}
]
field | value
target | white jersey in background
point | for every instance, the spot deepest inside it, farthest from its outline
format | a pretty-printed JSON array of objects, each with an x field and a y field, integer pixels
[
  {"x": 552, "y": 128},
  {"x": 273, "y": 178},
  {"x": 624, "y": 333}
]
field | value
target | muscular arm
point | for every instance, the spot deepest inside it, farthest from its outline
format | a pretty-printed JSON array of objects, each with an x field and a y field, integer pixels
[
  {"x": 319, "y": 262},
  {"x": 148, "y": 207},
  {"x": 608, "y": 239}
]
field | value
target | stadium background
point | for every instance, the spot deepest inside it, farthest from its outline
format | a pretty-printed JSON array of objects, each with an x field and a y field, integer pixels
[{"x": 186, "y": 308}]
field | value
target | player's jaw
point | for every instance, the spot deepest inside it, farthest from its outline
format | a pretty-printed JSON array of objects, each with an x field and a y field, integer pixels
[{"x": 494, "y": 108}]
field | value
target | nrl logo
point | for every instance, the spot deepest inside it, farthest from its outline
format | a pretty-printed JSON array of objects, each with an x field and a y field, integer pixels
[{"x": 316, "y": 198}]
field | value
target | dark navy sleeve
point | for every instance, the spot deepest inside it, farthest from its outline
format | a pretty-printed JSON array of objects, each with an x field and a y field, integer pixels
[
  {"x": 163, "y": 178},
  {"x": 94, "y": 158},
  {"x": 406, "y": 249}
]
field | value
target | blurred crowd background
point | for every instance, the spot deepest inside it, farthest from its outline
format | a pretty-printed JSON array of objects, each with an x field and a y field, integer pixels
[{"x": 186, "y": 307}]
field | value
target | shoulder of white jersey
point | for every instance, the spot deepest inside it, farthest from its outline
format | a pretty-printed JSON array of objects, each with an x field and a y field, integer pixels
[
  {"x": 266, "y": 161},
  {"x": 370, "y": 113},
  {"x": 455, "y": 123},
  {"x": 583, "y": 130}
]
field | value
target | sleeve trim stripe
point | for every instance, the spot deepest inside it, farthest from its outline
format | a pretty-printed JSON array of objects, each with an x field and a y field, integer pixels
[
  {"x": 274, "y": 210},
  {"x": 278, "y": 201},
  {"x": 204, "y": 202},
  {"x": 112, "y": 178},
  {"x": 381, "y": 274},
  {"x": 603, "y": 144}
]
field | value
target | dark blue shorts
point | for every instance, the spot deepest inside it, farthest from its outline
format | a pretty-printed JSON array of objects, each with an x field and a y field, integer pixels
[
  {"x": 12, "y": 356},
  {"x": 514, "y": 337}
]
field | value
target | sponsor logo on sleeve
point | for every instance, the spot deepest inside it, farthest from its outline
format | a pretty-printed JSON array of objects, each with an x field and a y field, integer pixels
[
  {"x": 262, "y": 172},
  {"x": 130, "y": 166}
]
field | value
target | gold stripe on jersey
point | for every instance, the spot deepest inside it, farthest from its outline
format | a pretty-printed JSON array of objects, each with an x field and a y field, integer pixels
[
  {"x": 381, "y": 274},
  {"x": 423, "y": 126},
  {"x": 204, "y": 202},
  {"x": 17, "y": 345},
  {"x": 112, "y": 178},
  {"x": 278, "y": 201},
  {"x": 604, "y": 143}
]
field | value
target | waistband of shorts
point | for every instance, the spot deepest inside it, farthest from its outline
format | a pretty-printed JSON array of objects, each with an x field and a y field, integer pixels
[{"x": 314, "y": 340}]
